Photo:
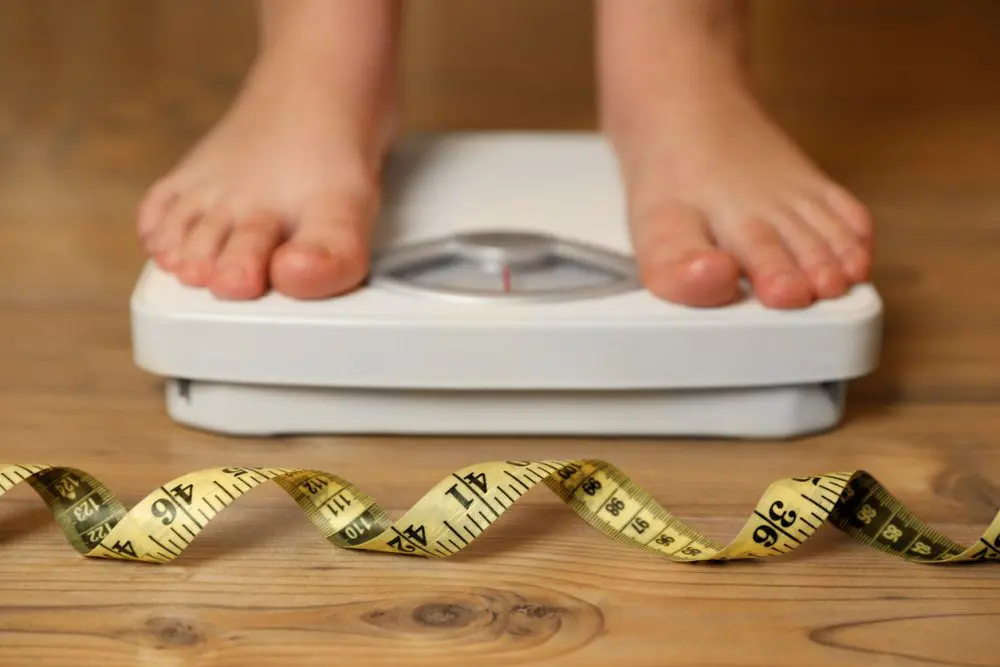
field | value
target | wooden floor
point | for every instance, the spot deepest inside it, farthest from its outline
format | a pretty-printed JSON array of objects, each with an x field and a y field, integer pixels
[{"x": 897, "y": 99}]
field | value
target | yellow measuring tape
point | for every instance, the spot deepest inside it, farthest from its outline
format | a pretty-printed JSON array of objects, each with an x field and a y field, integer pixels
[{"x": 462, "y": 506}]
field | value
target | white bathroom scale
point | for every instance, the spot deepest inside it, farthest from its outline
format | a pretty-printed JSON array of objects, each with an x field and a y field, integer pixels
[{"x": 503, "y": 299}]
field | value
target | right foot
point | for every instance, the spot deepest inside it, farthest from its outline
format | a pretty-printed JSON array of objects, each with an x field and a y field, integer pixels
[
  {"x": 715, "y": 189},
  {"x": 283, "y": 191}
]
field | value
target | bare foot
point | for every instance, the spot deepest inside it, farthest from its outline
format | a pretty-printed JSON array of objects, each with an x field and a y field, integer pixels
[
  {"x": 715, "y": 189},
  {"x": 282, "y": 192}
]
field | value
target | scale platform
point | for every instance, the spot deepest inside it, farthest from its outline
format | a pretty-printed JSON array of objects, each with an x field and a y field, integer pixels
[{"x": 503, "y": 300}]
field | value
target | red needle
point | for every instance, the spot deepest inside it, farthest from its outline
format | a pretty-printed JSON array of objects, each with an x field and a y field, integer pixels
[{"x": 506, "y": 279}]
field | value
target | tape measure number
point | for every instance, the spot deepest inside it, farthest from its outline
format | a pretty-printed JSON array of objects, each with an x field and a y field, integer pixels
[{"x": 453, "y": 514}]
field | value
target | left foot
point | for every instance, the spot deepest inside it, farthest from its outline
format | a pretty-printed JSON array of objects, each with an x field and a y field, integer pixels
[{"x": 715, "y": 189}]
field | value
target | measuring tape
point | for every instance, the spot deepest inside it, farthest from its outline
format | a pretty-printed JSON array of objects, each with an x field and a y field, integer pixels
[{"x": 462, "y": 506}]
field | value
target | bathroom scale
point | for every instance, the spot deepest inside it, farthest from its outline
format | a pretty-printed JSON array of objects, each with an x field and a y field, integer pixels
[{"x": 503, "y": 299}]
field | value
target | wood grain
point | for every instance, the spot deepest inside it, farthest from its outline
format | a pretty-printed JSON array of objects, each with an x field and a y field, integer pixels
[{"x": 897, "y": 99}]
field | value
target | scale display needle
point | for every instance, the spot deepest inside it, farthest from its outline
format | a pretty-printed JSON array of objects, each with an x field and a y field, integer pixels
[{"x": 506, "y": 278}]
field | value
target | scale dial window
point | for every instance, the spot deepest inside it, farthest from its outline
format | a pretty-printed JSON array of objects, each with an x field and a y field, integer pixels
[{"x": 507, "y": 266}]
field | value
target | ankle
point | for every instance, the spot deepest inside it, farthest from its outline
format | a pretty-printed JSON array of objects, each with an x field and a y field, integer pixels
[
  {"x": 354, "y": 42},
  {"x": 657, "y": 58},
  {"x": 722, "y": 24},
  {"x": 333, "y": 61}
]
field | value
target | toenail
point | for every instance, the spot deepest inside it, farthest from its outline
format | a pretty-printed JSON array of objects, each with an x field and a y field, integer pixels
[
  {"x": 170, "y": 258},
  {"x": 829, "y": 278},
  {"x": 195, "y": 270},
  {"x": 784, "y": 282},
  {"x": 232, "y": 276},
  {"x": 855, "y": 262}
]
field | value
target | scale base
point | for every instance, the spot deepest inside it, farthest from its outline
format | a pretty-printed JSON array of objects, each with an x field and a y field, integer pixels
[
  {"x": 503, "y": 300},
  {"x": 743, "y": 413}
]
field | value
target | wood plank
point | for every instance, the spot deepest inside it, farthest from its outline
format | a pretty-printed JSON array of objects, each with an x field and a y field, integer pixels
[{"x": 261, "y": 581}]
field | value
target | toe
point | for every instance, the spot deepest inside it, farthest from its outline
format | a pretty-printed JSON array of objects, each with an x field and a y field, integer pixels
[
  {"x": 853, "y": 213},
  {"x": 678, "y": 260},
  {"x": 242, "y": 265},
  {"x": 166, "y": 244},
  {"x": 849, "y": 238},
  {"x": 777, "y": 280},
  {"x": 813, "y": 256},
  {"x": 201, "y": 247},
  {"x": 328, "y": 253},
  {"x": 153, "y": 208}
]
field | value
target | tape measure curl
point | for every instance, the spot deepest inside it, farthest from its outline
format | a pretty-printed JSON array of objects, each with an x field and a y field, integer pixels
[{"x": 461, "y": 507}]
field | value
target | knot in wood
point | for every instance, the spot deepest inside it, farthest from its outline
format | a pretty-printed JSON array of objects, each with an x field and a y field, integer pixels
[
  {"x": 443, "y": 615},
  {"x": 174, "y": 632}
]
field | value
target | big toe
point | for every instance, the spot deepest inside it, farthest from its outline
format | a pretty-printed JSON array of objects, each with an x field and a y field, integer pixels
[
  {"x": 306, "y": 269},
  {"x": 326, "y": 256},
  {"x": 678, "y": 260}
]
